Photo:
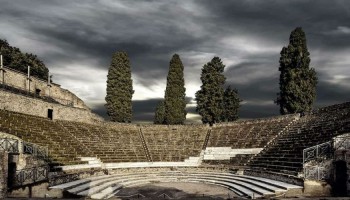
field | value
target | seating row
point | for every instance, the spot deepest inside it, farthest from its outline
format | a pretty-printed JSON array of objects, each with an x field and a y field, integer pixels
[{"x": 284, "y": 156}]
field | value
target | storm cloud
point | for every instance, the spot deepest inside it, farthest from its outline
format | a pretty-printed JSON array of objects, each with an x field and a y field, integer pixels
[{"x": 76, "y": 40}]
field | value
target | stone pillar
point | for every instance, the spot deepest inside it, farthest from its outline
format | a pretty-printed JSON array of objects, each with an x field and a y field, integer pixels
[
  {"x": 3, "y": 174},
  {"x": 28, "y": 79},
  {"x": 1, "y": 70},
  {"x": 48, "y": 84}
]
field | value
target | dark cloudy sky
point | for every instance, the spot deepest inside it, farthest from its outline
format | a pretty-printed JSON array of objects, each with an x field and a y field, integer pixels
[{"x": 76, "y": 40}]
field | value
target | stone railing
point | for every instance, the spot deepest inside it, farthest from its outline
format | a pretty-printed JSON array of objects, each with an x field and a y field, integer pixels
[
  {"x": 12, "y": 145},
  {"x": 36, "y": 150},
  {"x": 317, "y": 152},
  {"x": 316, "y": 161},
  {"x": 29, "y": 176}
]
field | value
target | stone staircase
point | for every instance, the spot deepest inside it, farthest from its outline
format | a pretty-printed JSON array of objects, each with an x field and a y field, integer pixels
[
  {"x": 89, "y": 162},
  {"x": 107, "y": 186}
]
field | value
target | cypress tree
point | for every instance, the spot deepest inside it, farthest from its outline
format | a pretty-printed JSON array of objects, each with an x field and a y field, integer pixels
[
  {"x": 174, "y": 100},
  {"x": 211, "y": 95},
  {"x": 231, "y": 105},
  {"x": 297, "y": 81},
  {"x": 160, "y": 113},
  {"x": 119, "y": 89}
]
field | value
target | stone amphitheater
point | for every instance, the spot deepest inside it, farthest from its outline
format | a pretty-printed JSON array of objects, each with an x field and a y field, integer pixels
[{"x": 51, "y": 145}]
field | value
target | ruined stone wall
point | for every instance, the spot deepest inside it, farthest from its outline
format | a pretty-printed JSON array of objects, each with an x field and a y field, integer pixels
[
  {"x": 18, "y": 79},
  {"x": 342, "y": 152},
  {"x": 3, "y": 174},
  {"x": 27, "y": 105}
]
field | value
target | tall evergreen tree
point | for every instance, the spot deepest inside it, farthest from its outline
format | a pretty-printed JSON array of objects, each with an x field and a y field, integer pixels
[
  {"x": 297, "y": 81},
  {"x": 160, "y": 113},
  {"x": 119, "y": 89},
  {"x": 210, "y": 97},
  {"x": 174, "y": 100},
  {"x": 231, "y": 105}
]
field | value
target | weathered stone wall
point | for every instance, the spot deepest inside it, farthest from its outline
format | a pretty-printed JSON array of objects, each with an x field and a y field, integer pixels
[
  {"x": 18, "y": 79},
  {"x": 342, "y": 152},
  {"x": 24, "y": 161},
  {"x": 314, "y": 188},
  {"x": 22, "y": 104},
  {"x": 3, "y": 174},
  {"x": 39, "y": 190}
]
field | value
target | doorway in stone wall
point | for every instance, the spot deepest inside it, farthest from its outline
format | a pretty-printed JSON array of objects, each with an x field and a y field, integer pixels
[
  {"x": 49, "y": 113},
  {"x": 37, "y": 92}
]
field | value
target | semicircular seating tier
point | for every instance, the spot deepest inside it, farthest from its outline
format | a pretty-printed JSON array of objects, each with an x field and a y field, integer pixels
[{"x": 106, "y": 186}]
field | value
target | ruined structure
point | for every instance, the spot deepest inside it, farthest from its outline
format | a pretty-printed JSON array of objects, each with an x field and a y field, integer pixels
[{"x": 22, "y": 93}]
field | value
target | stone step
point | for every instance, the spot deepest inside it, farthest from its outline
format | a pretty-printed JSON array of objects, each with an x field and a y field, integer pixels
[
  {"x": 104, "y": 186},
  {"x": 88, "y": 158},
  {"x": 107, "y": 193}
]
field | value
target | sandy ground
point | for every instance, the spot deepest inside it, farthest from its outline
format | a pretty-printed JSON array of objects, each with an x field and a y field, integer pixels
[{"x": 176, "y": 191}]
